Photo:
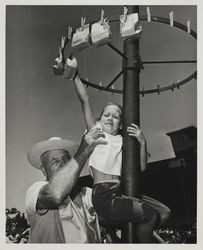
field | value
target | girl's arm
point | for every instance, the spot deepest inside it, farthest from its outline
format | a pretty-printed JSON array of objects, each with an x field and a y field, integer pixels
[
  {"x": 85, "y": 102},
  {"x": 136, "y": 132},
  {"x": 143, "y": 155}
]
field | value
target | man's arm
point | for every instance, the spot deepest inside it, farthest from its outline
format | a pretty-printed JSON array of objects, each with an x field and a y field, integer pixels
[
  {"x": 52, "y": 194},
  {"x": 85, "y": 102},
  {"x": 136, "y": 132}
]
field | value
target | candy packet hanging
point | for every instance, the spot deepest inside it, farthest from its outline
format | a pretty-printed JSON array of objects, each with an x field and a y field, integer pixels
[
  {"x": 100, "y": 32},
  {"x": 81, "y": 38},
  {"x": 129, "y": 26}
]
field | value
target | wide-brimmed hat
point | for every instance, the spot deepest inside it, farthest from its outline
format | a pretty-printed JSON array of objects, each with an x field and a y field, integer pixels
[{"x": 53, "y": 143}]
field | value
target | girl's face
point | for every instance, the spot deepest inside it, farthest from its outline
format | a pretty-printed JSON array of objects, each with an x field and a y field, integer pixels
[{"x": 111, "y": 119}]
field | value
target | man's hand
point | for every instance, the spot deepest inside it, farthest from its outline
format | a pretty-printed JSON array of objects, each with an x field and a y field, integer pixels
[
  {"x": 94, "y": 137},
  {"x": 89, "y": 141}
]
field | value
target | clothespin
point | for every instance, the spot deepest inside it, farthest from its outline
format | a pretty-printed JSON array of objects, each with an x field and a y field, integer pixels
[
  {"x": 86, "y": 86},
  {"x": 139, "y": 60},
  {"x": 70, "y": 30},
  {"x": 112, "y": 88},
  {"x": 83, "y": 19},
  {"x": 178, "y": 86},
  {"x": 61, "y": 49},
  {"x": 148, "y": 15},
  {"x": 158, "y": 89},
  {"x": 188, "y": 27},
  {"x": 102, "y": 17},
  {"x": 100, "y": 84},
  {"x": 143, "y": 91},
  {"x": 125, "y": 11},
  {"x": 171, "y": 18},
  {"x": 172, "y": 86}
]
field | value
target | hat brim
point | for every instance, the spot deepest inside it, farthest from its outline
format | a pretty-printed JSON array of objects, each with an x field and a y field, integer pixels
[{"x": 40, "y": 148}]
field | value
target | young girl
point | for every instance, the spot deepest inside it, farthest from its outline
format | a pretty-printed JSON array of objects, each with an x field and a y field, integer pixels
[{"x": 105, "y": 168}]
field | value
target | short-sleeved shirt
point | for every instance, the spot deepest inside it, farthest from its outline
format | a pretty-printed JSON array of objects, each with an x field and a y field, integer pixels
[
  {"x": 78, "y": 218},
  {"x": 108, "y": 158}
]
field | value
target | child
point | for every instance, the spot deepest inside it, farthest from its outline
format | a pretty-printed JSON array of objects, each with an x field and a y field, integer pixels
[{"x": 105, "y": 168}]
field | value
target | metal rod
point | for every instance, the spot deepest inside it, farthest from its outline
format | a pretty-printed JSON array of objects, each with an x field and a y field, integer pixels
[
  {"x": 130, "y": 181},
  {"x": 179, "y": 61},
  {"x": 117, "y": 50},
  {"x": 148, "y": 91},
  {"x": 109, "y": 85},
  {"x": 167, "y": 21},
  {"x": 175, "y": 85}
]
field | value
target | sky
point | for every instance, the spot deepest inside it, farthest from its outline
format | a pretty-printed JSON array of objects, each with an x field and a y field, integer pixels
[{"x": 40, "y": 105}]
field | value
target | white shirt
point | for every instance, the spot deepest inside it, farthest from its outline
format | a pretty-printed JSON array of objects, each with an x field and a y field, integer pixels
[
  {"x": 108, "y": 158},
  {"x": 75, "y": 228}
]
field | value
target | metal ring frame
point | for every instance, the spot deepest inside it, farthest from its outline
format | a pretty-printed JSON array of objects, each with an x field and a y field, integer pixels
[{"x": 149, "y": 91}]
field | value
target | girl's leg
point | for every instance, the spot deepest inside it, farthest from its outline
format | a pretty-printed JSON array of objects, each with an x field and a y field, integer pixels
[
  {"x": 162, "y": 209},
  {"x": 144, "y": 232},
  {"x": 116, "y": 208},
  {"x": 131, "y": 209},
  {"x": 113, "y": 207}
]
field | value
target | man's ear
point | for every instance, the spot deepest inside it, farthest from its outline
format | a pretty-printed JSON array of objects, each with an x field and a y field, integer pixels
[{"x": 43, "y": 171}]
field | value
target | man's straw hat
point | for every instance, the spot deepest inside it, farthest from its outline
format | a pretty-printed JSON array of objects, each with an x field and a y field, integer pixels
[{"x": 53, "y": 143}]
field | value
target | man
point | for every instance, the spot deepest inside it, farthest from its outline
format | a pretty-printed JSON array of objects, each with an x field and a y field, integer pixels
[{"x": 58, "y": 210}]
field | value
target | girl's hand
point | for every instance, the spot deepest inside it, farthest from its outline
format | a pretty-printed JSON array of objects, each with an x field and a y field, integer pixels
[{"x": 136, "y": 132}]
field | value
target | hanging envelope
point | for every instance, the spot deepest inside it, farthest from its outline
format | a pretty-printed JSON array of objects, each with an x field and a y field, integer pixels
[
  {"x": 58, "y": 66},
  {"x": 129, "y": 26},
  {"x": 81, "y": 38},
  {"x": 70, "y": 68},
  {"x": 100, "y": 33}
]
